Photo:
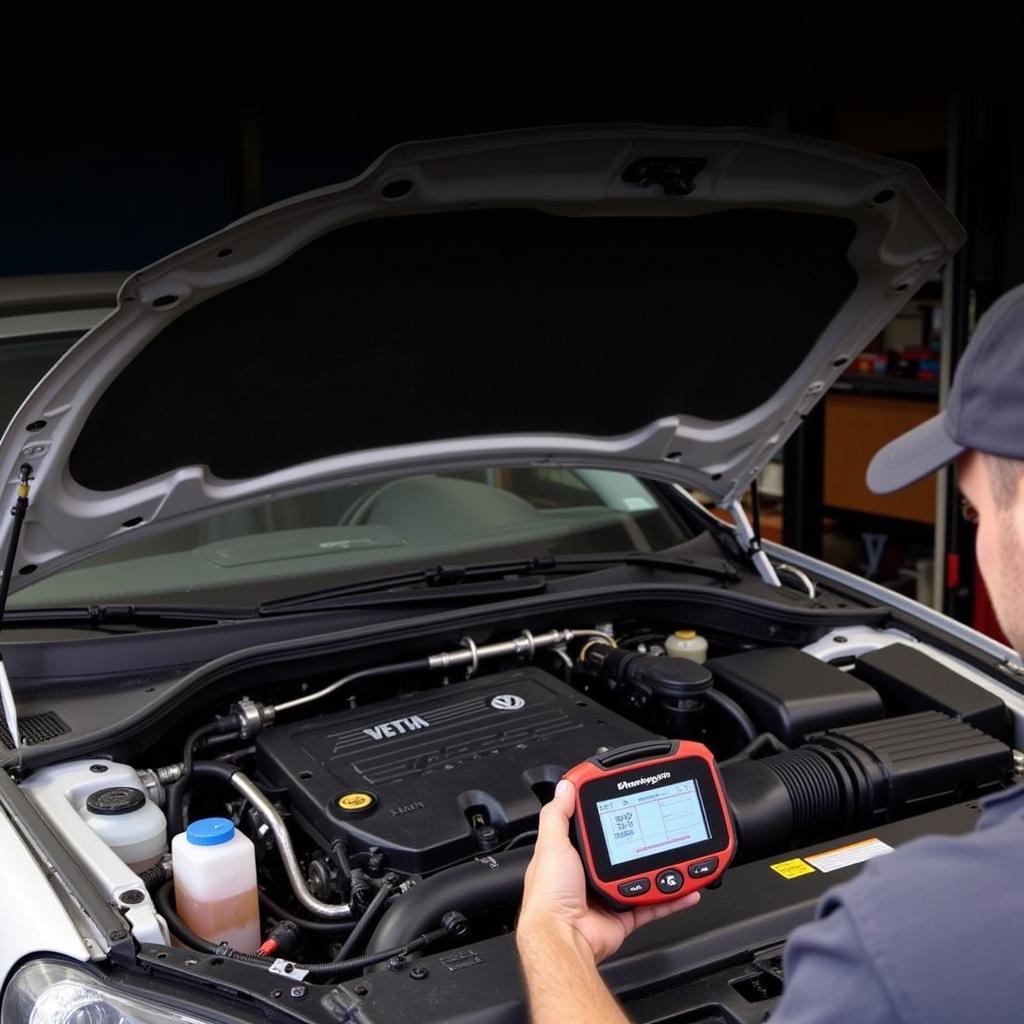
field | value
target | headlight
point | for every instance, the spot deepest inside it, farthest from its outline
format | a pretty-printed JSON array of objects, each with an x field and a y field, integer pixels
[{"x": 57, "y": 992}]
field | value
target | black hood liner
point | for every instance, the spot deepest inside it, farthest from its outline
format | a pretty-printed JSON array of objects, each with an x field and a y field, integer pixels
[{"x": 417, "y": 328}]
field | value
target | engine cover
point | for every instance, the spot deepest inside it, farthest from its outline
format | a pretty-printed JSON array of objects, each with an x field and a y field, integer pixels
[{"x": 409, "y": 774}]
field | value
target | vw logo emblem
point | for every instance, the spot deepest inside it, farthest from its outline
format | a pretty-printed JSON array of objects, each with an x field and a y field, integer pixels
[{"x": 507, "y": 702}]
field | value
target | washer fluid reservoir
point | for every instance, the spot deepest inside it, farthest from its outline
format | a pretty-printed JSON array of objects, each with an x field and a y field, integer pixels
[{"x": 215, "y": 883}]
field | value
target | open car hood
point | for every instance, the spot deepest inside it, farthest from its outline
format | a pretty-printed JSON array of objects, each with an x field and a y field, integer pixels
[{"x": 665, "y": 302}]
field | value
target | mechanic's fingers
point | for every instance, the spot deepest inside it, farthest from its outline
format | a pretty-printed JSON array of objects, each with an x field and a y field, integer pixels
[
  {"x": 555, "y": 815},
  {"x": 564, "y": 798}
]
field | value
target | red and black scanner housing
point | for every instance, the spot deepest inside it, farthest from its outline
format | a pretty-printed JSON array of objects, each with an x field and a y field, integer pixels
[{"x": 665, "y": 874}]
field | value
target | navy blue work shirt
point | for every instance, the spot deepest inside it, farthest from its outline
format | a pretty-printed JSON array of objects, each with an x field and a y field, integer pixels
[{"x": 930, "y": 934}]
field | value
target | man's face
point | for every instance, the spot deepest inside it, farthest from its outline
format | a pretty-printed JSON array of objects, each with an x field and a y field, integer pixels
[{"x": 999, "y": 544}]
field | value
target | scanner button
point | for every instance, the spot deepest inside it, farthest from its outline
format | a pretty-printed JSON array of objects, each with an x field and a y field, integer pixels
[
  {"x": 669, "y": 880},
  {"x": 702, "y": 868},
  {"x": 637, "y": 887}
]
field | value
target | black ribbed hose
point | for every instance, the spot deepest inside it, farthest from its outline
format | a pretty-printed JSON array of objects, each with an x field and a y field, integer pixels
[{"x": 819, "y": 801}]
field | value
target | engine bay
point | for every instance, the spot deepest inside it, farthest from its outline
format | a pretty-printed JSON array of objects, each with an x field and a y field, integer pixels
[
  {"x": 429, "y": 779},
  {"x": 392, "y": 810}
]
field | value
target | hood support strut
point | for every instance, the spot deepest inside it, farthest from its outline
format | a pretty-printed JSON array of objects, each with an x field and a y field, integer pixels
[
  {"x": 751, "y": 541},
  {"x": 18, "y": 511}
]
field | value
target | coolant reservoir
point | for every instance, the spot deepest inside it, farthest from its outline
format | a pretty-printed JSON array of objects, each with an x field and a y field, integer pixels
[
  {"x": 215, "y": 883},
  {"x": 685, "y": 643},
  {"x": 129, "y": 823}
]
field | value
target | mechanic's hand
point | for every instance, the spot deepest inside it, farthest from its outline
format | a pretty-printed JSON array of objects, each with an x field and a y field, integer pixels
[{"x": 555, "y": 892}]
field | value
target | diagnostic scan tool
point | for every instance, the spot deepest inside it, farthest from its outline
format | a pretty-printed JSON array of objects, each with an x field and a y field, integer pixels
[{"x": 651, "y": 822}]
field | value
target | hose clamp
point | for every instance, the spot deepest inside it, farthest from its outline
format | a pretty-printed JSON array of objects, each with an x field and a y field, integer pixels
[
  {"x": 251, "y": 717},
  {"x": 531, "y": 646},
  {"x": 470, "y": 644}
]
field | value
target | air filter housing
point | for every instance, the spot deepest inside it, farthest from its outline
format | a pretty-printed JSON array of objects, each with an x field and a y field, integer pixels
[{"x": 848, "y": 779}]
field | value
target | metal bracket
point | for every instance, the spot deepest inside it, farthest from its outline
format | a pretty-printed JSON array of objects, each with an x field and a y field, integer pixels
[
  {"x": 9, "y": 708},
  {"x": 805, "y": 581},
  {"x": 751, "y": 543},
  {"x": 287, "y": 969}
]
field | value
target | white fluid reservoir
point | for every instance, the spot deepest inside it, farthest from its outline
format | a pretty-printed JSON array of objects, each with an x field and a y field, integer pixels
[
  {"x": 215, "y": 883},
  {"x": 685, "y": 643},
  {"x": 128, "y": 822}
]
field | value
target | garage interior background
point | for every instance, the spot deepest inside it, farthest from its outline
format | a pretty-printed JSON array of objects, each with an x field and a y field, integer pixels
[{"x": 110, "y": 173}]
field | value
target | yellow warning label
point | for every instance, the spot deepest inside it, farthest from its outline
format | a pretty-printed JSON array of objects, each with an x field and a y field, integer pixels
[
  {"x": 355, "y": 801},
  {"x": 793, "y": 868}
]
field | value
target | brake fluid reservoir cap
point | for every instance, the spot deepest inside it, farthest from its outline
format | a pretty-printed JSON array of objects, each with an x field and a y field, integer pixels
[
  {"x": 115, "y": 800},
  {"x": 210, "y": 832}
]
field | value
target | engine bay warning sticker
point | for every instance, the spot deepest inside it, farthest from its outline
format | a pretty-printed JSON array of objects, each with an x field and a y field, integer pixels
[
  {"x": 844, "y": 856},
  {"x": 832, "y": 860},
  {"x": 793, "y": 868}
]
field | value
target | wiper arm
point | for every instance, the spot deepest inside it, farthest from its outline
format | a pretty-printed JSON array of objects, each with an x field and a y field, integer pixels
[
  {"x": 479, "y": 590},
  {"x": 97, "y": 616},
  {"x": 713, "y": 568},
  {"x": 459, "y": 576}
]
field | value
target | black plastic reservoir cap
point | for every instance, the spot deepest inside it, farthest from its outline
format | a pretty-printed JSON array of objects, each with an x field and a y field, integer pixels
[{"x": 115, "y": 800}]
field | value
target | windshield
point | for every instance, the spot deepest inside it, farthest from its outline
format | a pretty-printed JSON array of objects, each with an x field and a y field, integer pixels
[
  {"x": 359, "y": 532},
  {"x": 22, "y": 362}
]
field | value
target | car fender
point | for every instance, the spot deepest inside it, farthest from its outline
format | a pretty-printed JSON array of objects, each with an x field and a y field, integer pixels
[{"x": 34, "y": 919}]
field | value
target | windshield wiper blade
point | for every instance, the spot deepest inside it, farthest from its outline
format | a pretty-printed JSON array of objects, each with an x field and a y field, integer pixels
[
  {"x": 459, "y": 575},
  {"x": 478, "y": 590},
  {"x": 96, "y": 616},
  {"x": 713, "y": 568}
]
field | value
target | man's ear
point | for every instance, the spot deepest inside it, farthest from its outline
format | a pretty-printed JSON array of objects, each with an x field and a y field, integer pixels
[{"x": 1018, "y": 512}]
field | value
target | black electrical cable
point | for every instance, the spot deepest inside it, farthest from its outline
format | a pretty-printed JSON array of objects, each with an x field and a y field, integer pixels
[
  {"x": 739, "y": 717},
  {"x": 181, "y": 931},
  {"x": 316, "y": 972},
  {"x": 764, "y": 740},
  {"x": 523, "y": 837},
  {"x": 368, "y": 921}
]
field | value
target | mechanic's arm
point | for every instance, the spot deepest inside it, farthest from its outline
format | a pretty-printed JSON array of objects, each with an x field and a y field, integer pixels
[{"x": 561, "y": 938}]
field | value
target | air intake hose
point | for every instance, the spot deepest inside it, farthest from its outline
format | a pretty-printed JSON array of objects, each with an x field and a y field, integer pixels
[{"x": 849, "y": 779}]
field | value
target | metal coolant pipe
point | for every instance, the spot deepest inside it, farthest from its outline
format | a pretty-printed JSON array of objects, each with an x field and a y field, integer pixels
[
  {"x": 333, "y": 911},
  {"x": 470, "y": 654}
]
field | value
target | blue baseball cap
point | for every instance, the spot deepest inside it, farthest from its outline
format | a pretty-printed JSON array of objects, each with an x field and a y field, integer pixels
[{"x": 985, "y": 411}]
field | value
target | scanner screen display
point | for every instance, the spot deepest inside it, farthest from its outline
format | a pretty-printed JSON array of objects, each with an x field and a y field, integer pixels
[{"x": 638, "y": 825}]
